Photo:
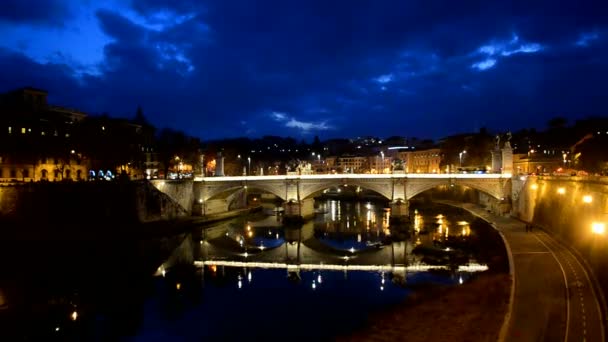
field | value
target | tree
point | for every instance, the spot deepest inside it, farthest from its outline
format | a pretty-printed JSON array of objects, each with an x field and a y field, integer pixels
[
  {"x": 139, "y": 118},
  {"x": 557, "y": 123}
]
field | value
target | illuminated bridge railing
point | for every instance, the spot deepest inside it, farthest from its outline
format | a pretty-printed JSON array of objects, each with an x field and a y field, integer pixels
[{"x": 358, "y": 176}]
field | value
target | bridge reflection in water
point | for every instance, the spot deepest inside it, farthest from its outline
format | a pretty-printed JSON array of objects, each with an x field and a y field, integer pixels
[{"x": 344, "y": 236}]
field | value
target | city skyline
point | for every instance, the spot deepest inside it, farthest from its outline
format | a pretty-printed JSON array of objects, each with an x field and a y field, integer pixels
[{"x": 218, "y": 71}]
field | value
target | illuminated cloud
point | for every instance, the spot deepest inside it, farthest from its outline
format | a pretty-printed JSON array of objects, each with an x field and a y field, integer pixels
[
  {"x": 278, "y": 116},
  {"x": 303, "y": 125},
  {"x": 488, "y": 49},
  {"x": 508, "y": 48},
  {"x": 170, "y": 54},
  {"x": 383, "y": 79},
  {"x": 525, "y": 48},
  {"x": 586, "y": 38},
  {"x": 504, "y": 48},
  {"x": 307, "y": 126},
  {"x": 159, "y": 21},
  {"x": 484, "y": 65}
]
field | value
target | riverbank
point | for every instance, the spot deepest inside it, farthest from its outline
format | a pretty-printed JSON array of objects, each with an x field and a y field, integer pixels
[
  {"x": 473, "y": 311},
  {"x": 539, "y": 309}
]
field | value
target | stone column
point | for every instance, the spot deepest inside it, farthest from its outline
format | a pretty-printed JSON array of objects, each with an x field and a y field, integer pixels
[
  {"x": 496, "y": 160},
  {"x": 507, "y": 158},
  {"x": 219, "y": 166},
  {"x": 400, "y": 211},
  {"x": 298, "y": 211}
]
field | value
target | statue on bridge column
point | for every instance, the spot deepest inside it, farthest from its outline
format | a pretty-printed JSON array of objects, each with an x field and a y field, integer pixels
[
  {"x": 507, "y": 155},
  {"x": 508, "y": 142},
  {"x": 496, "y": 156}
]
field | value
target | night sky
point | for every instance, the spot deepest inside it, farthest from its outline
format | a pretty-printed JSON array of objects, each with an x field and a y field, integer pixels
[{"x": 302, "y": 68}]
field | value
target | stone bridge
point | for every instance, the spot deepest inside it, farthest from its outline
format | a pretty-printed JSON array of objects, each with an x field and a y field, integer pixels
[{"x": 298, "y": 191}]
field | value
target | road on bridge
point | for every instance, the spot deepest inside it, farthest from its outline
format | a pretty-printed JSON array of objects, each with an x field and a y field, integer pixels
[{"x": 554, "y": 297}]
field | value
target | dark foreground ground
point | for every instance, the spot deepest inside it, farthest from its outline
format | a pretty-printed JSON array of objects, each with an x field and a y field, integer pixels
[{"x": 473, "y": 311}]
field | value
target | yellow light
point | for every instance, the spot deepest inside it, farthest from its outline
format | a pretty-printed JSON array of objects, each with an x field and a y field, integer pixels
[
  {"x": 598, "y": 228},
  {"x": 178, "y": 286},
  {"x": 534, "y": 186},
  {"x": 250, "y": 234},
  {"x": 561, "y": 191},
  {"x": 74, "y": 315},
  {"x": 587, "y": 199}
]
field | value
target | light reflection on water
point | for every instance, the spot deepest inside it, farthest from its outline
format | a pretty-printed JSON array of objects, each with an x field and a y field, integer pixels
[{"x": 347, "y": 262}]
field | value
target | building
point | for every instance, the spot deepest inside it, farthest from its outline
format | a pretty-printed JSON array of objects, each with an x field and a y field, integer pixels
[
  {"x": 40, "y": 142},
  {"x": 538, "y": 163},
  {"x": 353, "y": 164},
  {"x": 422, "y": 161},
  {"x": 380, "y": 164},
  {"x": 37, "y": 141}
]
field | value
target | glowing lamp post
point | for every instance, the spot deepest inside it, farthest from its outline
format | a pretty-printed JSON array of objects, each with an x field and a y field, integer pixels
[
  {"x": 598, "y": 228},
  {"x": 460, "y": 156}
]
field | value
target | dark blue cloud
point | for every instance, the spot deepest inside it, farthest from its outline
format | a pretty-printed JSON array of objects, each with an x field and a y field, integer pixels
[
  {"x": 48, "y": 12},
  {"x": 226, "y": 68}
]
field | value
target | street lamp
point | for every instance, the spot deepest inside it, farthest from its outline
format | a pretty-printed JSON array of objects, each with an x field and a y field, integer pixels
[
  {"x": 382, "y": 166},
  {"x": 460, "y": 156},
  {"x": 249, "y": 169},
  {"x": 598, "y": 228}
]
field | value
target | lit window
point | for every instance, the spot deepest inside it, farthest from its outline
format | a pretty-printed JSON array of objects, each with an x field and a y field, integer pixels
[
  {"x": 42, "y": 133},
  {"x": 67, "y": 135},
  {"x": 10, "y": 130},
  {"x": 22, "y": 130},
  {"x": 29, "y": 130}
]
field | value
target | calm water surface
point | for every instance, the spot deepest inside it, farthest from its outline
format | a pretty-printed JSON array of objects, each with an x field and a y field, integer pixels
[{"x": 250, "y": 278}]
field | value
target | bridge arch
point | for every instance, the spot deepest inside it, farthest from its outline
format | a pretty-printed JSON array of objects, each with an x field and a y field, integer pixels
[
  {"x": 382, "y": 188},
  {"x": 227, "y": 192},
  {"x": 492, "y": 188}
]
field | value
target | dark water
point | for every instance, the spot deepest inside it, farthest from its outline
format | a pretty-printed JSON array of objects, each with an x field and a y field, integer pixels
[{"x": 249, "y": 278}]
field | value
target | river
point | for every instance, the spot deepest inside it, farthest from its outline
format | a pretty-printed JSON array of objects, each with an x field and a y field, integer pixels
[{"x": 247, "y": 278}]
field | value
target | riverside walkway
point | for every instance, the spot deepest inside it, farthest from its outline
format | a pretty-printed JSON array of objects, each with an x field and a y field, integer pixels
[{"x": 553, "y": 297}]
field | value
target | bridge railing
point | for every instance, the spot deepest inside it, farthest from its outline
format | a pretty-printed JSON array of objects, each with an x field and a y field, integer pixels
[{"x": 358, "y": 176}]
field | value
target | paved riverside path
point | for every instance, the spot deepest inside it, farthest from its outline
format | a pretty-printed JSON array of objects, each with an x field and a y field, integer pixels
[{"x": 553, "y": 298}]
